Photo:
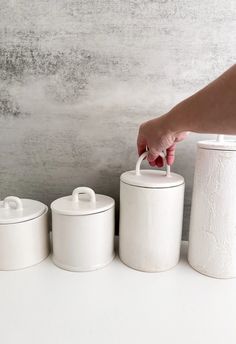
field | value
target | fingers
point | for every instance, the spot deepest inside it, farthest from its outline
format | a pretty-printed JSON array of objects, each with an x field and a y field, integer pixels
[
  {"x": 141, "y": 144},
  {"x": 152, "y": 155},
  {"x": 159, "y": 162},
  {"x": 152, "y": 163},
  {"x": 156, "y": 146},
  {"x": 170, "y": 154},
  {"x": 156, "y": 160}
]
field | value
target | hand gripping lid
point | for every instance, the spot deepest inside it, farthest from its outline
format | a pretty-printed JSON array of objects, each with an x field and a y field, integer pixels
[
  {"x": 151, "y": 178},
  {"x": 15, "y": 210},
  {"x": 83, "y": 201}
]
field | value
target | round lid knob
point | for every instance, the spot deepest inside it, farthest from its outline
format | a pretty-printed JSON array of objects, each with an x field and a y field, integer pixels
[{"x": 83, "y": 201}]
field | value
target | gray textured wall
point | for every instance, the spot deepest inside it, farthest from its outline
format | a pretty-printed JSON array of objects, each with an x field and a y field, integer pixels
[{"x": 77, "y": 78}]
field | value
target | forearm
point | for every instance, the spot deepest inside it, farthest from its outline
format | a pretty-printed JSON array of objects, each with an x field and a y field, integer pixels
[{"x": 211, "y": 110}]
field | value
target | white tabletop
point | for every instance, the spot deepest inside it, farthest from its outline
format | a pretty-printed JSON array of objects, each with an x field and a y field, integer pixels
[{"x": 47, "y": 305}]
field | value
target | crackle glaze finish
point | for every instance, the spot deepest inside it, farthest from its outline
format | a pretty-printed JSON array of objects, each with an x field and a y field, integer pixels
[{"x": 212, "y": 238}]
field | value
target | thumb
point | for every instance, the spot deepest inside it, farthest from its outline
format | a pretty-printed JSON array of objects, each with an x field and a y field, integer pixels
[{"x": 170, "y": 152}]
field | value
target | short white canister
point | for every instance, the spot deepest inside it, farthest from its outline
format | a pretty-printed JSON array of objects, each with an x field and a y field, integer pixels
[
  {"x": 151, "y": 214},
  {"x": 212, "y": 236},
  {"x": 83, "y": 230},
  {"x": 24, "y": 234}
]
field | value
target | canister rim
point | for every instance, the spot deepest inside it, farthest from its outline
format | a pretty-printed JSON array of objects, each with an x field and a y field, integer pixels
[
  {"x": 226, "y": 145},
  {"x": 152, "y": 179}
]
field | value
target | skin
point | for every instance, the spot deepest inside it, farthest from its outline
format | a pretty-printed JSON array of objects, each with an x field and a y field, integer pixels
[{"x": 211, "y": 110}]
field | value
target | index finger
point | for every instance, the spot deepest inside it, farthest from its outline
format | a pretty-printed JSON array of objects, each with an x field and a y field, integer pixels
[{"x": 141, "y": 144}]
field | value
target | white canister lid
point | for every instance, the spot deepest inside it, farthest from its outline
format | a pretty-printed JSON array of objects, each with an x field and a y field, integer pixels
[
  {"x": 15, "y": 210},
  {"x": 224, "y": 145},
  {"x": 83, "y": 201},
  {"x": 151, "y": 178}
]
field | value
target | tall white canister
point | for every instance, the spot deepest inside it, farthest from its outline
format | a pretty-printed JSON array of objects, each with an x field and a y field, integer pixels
[
  {"x": 212, "y": 237},
  {"x": 151, "y": 213},
  {"x": 83, "y": 230}
]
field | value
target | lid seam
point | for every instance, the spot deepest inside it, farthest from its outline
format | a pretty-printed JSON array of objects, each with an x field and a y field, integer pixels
[
  {"x": 154, "y": 187},
  {"x": 15, "y": 223},
  {"x": 98, "y": 212}
]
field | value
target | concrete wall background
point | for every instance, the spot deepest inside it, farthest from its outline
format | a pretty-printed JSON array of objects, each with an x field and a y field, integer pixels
[{"x": 77, "y": 78}]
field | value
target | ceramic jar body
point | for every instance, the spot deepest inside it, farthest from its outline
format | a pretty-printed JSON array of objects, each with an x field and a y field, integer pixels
[
  {"x": 24, "y": 244},
  {"x": 212, "y": 237},
  {"x": 83, "y": 243},
  {"x": 150, "y": 226}
]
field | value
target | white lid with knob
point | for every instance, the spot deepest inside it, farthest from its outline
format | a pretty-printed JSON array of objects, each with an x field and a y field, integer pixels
[
  {"x": 219, "y": 144},
  {"x": 15, "y": 210},
  {"x": 151, "y": 178},
  {"x": 83, "y": 201}
]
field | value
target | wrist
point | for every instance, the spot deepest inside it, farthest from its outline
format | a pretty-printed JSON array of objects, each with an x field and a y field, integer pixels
[{"x": 179, "y": 118}]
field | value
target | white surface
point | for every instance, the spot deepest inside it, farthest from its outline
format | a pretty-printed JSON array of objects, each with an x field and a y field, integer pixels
[
  {"x": 213, "y": 215},
  {"x": 45, "y": 304}
]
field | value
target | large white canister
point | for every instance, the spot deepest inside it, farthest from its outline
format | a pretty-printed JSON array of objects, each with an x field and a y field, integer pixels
[
  {"x": 212, "y": 237},
  {"x": 24, "y": 237},
  {"x": 151, "y": 213},
  {"x": 83, "y": 230}
]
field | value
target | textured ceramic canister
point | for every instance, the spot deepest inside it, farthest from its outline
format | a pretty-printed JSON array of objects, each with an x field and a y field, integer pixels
[
  {"x": 212, "y": 237},
  {"x": 151, "y": 213},
  {"x": 83, "y": 230},
  {"x": 24, "y": 238}
]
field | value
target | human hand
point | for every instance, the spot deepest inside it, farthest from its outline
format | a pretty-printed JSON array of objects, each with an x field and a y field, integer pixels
[{"x": 158, "y": 135}]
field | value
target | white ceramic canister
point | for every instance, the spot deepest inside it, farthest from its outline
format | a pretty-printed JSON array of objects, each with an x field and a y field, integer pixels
[
  {"x": 24, "y": 237},
  {"x": 212, "y": 237},
  {"x": 151, "y": 213},
  {"x": 83, "y": 230}
]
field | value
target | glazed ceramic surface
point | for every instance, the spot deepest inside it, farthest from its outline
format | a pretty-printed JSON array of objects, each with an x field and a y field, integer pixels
[
  {"x": 212, "y": 237},
  {"x": 83, "y": 230},
  {"x": 24, "y": 238},
  {"x": 151, "y": 213}
]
